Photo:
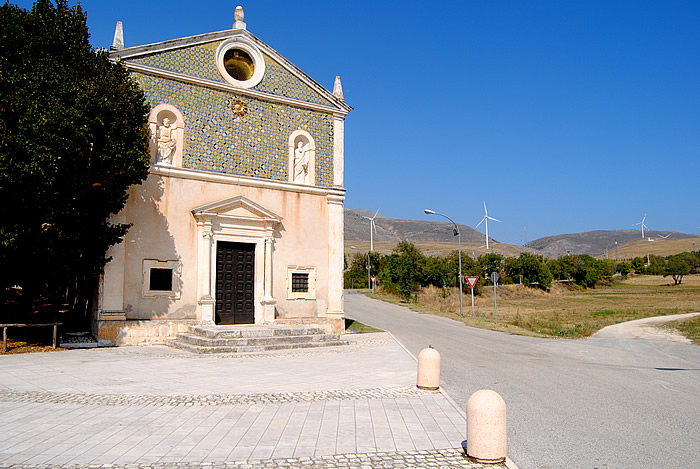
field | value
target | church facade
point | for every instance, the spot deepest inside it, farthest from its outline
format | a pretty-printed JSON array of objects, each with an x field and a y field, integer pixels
[{"x": 240, "y": 220}]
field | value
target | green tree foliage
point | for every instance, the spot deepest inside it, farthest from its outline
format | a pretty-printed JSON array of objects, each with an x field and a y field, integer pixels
[
  {"x": 530, "y": 268},
  {"x": 490, "y": 263},
  {"x": 657, "y": 265},
  {"x": 584, "y": 270},
  {"x": 677, "y": 267},
  {"x": 404, "y": 270},
  {"x": 356, "y": 275},
  {"x": 73, "y": 138},
  {"x": 639, "y": 265},
  {"x": 562, "y": 268},
  {"x": 623, "y": 268}
]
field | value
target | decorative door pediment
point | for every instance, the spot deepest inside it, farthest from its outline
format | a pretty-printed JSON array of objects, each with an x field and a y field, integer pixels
[{"x": 236, "y": 209}]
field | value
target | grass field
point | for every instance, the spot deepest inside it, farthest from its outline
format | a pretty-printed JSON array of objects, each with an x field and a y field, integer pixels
[
  {"x": 659, "y": 247},
  {"x": 565, "y": 311}
]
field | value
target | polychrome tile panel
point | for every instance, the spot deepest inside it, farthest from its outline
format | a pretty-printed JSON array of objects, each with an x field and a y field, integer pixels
[
  {"x": 255, "y": 144},
  {"x": 197, "y": 61},
  {"x": 200, "y": 61},
  {"x": 279, "y": 81}
]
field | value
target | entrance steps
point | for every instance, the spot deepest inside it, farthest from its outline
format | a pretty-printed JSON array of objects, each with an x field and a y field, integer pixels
[{"x": 246, "y": 339}]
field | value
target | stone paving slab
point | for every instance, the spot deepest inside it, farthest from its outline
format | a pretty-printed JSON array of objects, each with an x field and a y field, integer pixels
[{"x": 157, "y": 407}]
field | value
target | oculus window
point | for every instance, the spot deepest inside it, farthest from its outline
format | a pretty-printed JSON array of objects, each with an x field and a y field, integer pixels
[{"x": 240, "y": 62}]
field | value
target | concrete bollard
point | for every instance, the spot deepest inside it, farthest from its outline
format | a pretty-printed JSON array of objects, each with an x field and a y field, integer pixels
[
  {"x": 486, "y": 427},
  {"x": 428, "y": 369}
]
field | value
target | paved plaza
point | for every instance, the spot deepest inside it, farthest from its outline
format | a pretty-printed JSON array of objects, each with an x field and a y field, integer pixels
[{"x": 352, "y": 406}]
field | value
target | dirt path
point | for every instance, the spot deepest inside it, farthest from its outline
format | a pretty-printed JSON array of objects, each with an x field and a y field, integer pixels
[{"x": 647, "y": 328}]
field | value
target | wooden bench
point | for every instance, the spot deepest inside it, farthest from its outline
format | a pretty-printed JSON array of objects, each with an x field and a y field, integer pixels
[{"x": 5, "y": 326}]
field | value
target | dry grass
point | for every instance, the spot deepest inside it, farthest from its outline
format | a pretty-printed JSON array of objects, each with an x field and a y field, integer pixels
[
  {"x": 566, "y": 311},
  {"x": 435, "y": 248},
  {"x": 659, "y": 247}
]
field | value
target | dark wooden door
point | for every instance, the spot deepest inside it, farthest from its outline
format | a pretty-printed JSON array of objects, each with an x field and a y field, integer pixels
[{"x": 235, "y": 276}]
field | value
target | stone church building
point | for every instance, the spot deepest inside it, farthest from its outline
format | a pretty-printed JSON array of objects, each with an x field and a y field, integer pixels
[{"x": 240, "y": 221}]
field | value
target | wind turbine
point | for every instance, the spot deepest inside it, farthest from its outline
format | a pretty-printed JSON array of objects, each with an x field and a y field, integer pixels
[
  {"x": 665, "y": 237},
  {"x": 486, "y": 224},
  {"x": 372, "y": 229},
  {"x": 642, "y": 225}
]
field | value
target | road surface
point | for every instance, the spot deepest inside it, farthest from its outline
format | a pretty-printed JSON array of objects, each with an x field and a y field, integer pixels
[{"x": 604, "y": 402}]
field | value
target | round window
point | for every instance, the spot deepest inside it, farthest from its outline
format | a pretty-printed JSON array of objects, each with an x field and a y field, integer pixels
[{"x": 238, "y": 64}]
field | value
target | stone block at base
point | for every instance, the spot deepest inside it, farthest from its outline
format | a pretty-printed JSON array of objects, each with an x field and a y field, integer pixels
[
  {"x": 334, "y": 324},
  {"x": 146, "y": 332}
]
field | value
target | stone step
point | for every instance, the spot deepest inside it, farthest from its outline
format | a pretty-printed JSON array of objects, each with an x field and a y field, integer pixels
[
  {"x": 222, "y": 341},
  {"x": 236, "y": 332},
  {"x": 253, "y": 348},
  {"x": 250, "y": 338}
]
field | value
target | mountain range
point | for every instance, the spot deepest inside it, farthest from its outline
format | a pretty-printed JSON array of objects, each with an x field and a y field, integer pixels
[{"x": 440, "y": 237}]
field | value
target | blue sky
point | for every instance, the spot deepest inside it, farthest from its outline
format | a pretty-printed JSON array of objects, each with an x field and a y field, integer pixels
[{"x": 564, "y": 116}]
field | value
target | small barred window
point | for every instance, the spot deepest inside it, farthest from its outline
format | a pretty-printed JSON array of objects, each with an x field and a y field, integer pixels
[{"x": 300, "y": 283}]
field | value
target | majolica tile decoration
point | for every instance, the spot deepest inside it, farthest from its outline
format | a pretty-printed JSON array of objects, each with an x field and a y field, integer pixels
[
  {"x": 199, "y": 61},
  {"x": 253, "y": 144}
]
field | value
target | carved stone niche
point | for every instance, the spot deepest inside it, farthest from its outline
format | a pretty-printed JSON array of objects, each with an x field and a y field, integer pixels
[
  {"x": 167, "y": 128},
  {"x": 302, "y": 158}
]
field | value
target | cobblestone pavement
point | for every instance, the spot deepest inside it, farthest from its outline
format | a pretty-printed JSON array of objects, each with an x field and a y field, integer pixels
[
  {"x": 211, "y": 399},
  {"x": 446, "y": 458}
]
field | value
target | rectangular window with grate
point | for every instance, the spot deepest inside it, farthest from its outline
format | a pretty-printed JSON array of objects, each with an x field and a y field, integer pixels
[{"x": 300, "y": 282}]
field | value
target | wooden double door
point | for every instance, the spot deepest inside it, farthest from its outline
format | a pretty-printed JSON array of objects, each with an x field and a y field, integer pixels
[{"x": 235, "y": 283}]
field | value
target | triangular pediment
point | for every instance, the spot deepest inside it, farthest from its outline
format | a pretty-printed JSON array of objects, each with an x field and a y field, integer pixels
[
  {"x": 194, "y": 58},
  {"x": 237, "y": 208}
]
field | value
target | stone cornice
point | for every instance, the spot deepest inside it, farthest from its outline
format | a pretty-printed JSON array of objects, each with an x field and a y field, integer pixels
[{"x": 338, "y": 193}]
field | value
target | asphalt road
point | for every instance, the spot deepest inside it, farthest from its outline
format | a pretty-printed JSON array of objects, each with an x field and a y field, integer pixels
[{"x": 591, "y": 403}]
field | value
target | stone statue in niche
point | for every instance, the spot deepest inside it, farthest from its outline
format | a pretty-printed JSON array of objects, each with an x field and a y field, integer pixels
[
  {"x": 166, "y": 140},
  {"x": 301, "y": 163}
]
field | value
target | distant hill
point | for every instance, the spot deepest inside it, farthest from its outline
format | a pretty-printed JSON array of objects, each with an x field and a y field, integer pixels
[
  {"x": 595, "y": 243},
  {"x": 398, "y": 229},
  {"x": 437, "y": 238}
]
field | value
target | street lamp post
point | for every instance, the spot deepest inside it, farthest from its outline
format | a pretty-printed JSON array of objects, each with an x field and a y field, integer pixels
[{"x": 459, "y": 253}]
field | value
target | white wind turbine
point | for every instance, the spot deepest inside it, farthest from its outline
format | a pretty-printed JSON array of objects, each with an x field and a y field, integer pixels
[
  {"x": 642, "y": 225},
  {"x": 485, "y": 220},
  {"x": 372, "y": 229}
]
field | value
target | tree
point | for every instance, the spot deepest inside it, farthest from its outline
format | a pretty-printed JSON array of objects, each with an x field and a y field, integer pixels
[
  {"x": 531, "y": 268},
  {"x": 490, "y": 263},
  {"x": 73, "y": 139},
  {"x": 677, "y": 267},
  {"x": 404, "y": 269}
]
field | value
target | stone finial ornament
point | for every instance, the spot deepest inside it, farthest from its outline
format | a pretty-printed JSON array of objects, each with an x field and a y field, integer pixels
[
  {"x": 118, "y": 41},
  {"x": 239, "y": 16},
  {"x": 338, "y": 89}
]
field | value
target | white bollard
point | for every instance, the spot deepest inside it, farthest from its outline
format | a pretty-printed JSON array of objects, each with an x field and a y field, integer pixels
[
  {"x": 428, "y": 369},
  {"x": 486, "y": 427}
]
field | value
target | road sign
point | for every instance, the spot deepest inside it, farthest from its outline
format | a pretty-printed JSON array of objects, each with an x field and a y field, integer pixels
[
  {"x": 495, "y": 277},
  {"x": 374, "y": 279},
  {"x": 472, "y": 281}
]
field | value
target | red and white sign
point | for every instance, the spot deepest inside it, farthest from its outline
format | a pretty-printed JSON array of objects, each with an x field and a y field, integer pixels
[
  {"x": 374, "y": 279},
  {"x": 472, "y": 281}
]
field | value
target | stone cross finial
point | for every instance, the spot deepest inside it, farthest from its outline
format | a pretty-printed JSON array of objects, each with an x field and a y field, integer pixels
[
  {"x": 238, "y": 16},
  {"x": 338, "y": 88},
  {"x": 118, "y": 41}
]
